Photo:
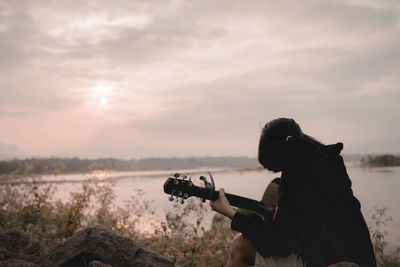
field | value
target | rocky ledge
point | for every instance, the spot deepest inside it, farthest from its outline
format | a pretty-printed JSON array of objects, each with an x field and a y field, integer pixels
[{"x": 92, "y": 247}]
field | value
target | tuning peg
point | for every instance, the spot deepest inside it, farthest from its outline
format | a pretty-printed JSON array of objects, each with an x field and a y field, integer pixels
[
  {"x": 177, "y": 199},
  {"x": 171, "y": 197},
  {"x": 182, "y": 201},
  {"x": 184, "y": 176},
  {"x": 176, "y": 175}
]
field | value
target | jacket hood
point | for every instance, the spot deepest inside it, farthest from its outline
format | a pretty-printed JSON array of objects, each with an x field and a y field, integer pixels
[{"x": 332, "y": 150}]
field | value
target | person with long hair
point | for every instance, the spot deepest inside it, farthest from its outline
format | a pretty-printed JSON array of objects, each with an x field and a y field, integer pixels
[{"x": 318, "y": 221}]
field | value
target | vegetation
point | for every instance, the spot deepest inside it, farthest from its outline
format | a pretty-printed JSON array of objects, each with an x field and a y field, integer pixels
[
  {"x": 29, "y": 205},
  {"x": 386, "y": 160},
  {"x": 378, "y": 240}
]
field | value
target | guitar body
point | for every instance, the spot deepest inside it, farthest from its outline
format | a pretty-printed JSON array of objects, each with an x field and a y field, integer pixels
[{"x": 271, "y": 194}]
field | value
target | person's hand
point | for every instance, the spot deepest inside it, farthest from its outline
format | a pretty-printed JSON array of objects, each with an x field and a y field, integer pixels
[{"x": 221, "y": 205}]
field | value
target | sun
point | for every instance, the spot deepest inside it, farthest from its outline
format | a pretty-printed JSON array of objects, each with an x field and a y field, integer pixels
[
  {"x": 100, "y": 97},
  {"x": 103, "y": 100}
]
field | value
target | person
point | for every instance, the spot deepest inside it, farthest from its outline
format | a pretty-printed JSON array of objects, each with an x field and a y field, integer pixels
[{"x": 318, "y": 221}]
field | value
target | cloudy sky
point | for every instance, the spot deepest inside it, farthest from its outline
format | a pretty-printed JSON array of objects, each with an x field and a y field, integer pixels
[{"x": 134, "y": 79}]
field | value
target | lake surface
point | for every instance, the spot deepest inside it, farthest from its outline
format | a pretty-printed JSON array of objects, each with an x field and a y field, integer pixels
[{"x": 374, "y": 187}]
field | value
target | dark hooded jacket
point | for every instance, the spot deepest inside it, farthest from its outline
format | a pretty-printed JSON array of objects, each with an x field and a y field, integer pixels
[{"x": 318, "y": 217}]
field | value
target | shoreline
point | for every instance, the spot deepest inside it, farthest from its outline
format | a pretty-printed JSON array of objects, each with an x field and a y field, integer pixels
[{"x": 105, "y": 176}]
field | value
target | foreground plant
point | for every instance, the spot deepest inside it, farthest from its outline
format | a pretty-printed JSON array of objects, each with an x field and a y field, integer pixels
[
  {"x": 27, "y": 203},
  {"x": 184, "y": 238},
  {"x": 378, "y": 240}
]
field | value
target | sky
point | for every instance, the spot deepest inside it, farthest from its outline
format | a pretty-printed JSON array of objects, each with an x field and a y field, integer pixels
[{"x": 160, "y": 78}]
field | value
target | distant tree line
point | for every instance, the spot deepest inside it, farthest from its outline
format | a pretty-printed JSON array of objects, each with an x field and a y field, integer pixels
[
  {"x": 385, "y": 160},
  {"x": 77, "y": 165}
]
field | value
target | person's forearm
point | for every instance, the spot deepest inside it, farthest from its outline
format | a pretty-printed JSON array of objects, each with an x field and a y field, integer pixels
[{"x": 222, "y": 206}]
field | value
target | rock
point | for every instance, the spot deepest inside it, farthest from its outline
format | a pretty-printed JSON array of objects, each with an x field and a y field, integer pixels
[
  {"x": 17, "y": 263},
  {"x": 98, "y": 264},
  {"x": 99, "y": 243},
  {"x": 16, "y": 245},
  {"x": 93, "y": 246}
]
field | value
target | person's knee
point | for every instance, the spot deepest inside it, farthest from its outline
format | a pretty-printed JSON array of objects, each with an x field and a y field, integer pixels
[
  {"x": 242, "y": 249},
  {"x": 237, "y": 244}
]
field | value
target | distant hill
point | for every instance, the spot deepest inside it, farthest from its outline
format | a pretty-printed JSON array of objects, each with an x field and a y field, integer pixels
[
  {"x": 77, "y": 165},
  {"x": 386, "y": 160}
]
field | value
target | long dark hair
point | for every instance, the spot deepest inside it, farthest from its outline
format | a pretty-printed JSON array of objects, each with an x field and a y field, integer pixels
[{"x": 281, "y": 139}]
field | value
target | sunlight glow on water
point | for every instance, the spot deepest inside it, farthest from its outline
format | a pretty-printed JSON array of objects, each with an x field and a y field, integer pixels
[{"x": 100, "y": 175}]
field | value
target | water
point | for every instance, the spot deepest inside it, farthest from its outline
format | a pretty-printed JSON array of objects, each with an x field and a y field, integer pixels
[{"x": 374, "y": 187}]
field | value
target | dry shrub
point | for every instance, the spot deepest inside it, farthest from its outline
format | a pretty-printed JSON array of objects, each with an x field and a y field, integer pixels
[
  {"x": 27, "y": 203},
  {"x": 184, "y": 238},
  {"x": 378, "y": 240}
]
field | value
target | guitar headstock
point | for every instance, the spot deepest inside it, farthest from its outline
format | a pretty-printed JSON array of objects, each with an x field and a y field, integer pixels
[{"x": 180, "y": 186}]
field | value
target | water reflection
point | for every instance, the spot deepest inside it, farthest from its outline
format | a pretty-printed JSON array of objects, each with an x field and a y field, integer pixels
[{"x": 100, "y": 174}]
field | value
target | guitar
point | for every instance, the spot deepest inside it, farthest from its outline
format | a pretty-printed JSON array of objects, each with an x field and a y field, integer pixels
[{"x": 179, "y": 186}]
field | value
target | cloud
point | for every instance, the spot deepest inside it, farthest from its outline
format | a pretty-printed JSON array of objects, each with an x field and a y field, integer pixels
[{"x": 194, "y": 77}]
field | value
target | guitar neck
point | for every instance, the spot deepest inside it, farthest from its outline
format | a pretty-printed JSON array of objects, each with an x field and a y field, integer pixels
[{"x": 236, "y": 201}]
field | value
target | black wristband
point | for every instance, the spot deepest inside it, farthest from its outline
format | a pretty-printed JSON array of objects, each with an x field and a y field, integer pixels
[{"x": 238, "y": 222}]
